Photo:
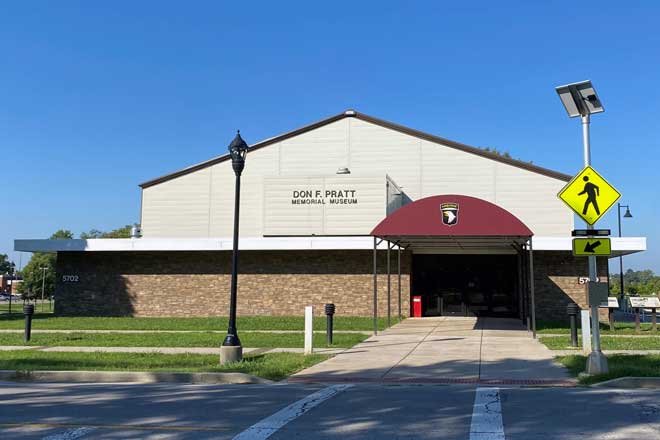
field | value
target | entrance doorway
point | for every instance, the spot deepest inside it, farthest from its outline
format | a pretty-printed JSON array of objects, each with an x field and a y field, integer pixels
[{"x": 466, "y": 285}]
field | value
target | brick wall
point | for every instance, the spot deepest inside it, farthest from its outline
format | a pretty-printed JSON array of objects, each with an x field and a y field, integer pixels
[
  {"x": 270, "y": 283},
  {"x": 556, "y": 282},
  {"x": 197, "y": 283}
]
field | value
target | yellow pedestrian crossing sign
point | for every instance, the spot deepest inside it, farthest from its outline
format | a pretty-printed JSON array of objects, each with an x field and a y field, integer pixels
[
  {"x": 592, "y": 246},
  {"x": 589, "y": 195}
]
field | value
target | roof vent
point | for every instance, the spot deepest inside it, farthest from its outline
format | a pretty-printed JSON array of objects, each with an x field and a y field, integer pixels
[
  {"x": 136, "y": 232},
  {"x": 343, "y": 170},
  {"x": 349, "y": 112}
]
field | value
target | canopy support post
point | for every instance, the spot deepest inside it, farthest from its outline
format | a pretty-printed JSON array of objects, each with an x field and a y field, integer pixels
[
  {"x": 531, "y": 287},
  {"x": 389, "y": 302},
  {"x": 399, "y": 274},
  {"x": 375, "y": 288},
  {"x": 519, "y": 287}
]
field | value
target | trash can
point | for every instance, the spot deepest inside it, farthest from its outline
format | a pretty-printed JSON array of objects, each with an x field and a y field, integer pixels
[{"x": 417, "y": 306}]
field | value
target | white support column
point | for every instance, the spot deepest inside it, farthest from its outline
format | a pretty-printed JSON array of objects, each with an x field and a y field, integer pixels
[
  {"x": 586, "y": 330},
  {"x": 309, "y": 329}
]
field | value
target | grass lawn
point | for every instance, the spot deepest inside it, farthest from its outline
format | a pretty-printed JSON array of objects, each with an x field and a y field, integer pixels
[
  {"x": 274, "y": 366},
  {"x": 201, "y": 339},
  {"x": 47, "y": 321},
  {"x": 607, "y": 343},
  {"x": 620, "y": 328},
  {"x": 620, "y": 365}
]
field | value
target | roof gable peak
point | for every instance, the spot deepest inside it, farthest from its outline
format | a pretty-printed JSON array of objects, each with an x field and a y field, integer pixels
[{"x": 351, "y": 113}]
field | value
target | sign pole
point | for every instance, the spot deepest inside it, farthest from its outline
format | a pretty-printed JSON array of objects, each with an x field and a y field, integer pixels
[{"x": 596, "y": 362}]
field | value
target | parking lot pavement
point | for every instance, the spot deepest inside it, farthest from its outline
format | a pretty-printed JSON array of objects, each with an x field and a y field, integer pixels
[{"x": 338, "y": 411}]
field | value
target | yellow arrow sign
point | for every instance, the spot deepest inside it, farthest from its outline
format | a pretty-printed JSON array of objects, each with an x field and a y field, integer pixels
[
  {"x": 592, "y": 246},
  {"x": 589, "y": 195}
]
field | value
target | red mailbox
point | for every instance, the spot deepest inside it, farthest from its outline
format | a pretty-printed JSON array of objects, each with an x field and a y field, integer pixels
[{"x": 417, "y": 306}]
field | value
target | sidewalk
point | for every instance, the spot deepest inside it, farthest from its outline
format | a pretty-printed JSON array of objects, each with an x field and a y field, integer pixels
[{"x": 444, "y": 349}]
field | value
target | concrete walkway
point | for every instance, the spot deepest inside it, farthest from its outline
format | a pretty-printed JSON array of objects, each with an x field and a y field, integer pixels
[{"x": 444, "y": 350}]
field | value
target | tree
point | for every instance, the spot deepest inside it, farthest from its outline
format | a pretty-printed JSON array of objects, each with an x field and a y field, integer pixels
[
  {"x": 6, "y": 266},
  {"x": 123, "y": 232},
  {"x": 33, "y": 272},
  {"x": 642, "y": 282},
  {"x": 504, "y": 154},
  {"x": 62, "y": 234}
]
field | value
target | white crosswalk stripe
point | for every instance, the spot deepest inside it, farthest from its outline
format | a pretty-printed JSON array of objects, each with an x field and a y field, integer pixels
[{"x": 487, "y": 421}]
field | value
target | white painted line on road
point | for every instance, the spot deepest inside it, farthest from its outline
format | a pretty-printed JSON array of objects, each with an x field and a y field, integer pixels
[
  {"x": 268, "y": 426},
  {"x": 487, "y": 415},
  {"x": 71, "y": 434}
]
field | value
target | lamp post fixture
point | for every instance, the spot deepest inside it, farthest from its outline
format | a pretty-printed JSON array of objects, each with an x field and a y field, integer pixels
[
  {"x": 626, "y": 215},
  {"x": 231, "y": 350}
]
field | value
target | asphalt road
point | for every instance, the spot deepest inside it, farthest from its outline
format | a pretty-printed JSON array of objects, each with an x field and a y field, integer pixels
[{"x": 285, "y": 411}]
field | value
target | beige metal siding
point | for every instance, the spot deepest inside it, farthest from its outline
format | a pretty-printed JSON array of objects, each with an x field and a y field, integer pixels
[
  {"x": 533, "y": 199},
  {"x": 377, "y": 149},
  {"x": 200, "y": 204},
  {"x": 318, "y": 152},
  {"x": 258, "y": 164},
  {"x": 179, "y": 207},
  {"x": 449, "y": 171}
]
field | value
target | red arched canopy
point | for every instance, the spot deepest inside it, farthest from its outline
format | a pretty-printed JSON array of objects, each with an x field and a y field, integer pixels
[{"x": 451, "y": 216}]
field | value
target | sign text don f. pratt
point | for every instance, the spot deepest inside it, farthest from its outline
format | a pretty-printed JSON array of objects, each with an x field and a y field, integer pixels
[{"x": 324, "y": 197}]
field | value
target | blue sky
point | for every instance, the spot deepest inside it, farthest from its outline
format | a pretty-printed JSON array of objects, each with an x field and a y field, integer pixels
[{"x": 97, "y": 97}]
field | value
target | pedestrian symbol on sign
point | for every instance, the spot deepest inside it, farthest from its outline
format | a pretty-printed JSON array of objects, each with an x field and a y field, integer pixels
[
  {"x": 589, "y": 195},
  {"x": 592, "y": 192}
]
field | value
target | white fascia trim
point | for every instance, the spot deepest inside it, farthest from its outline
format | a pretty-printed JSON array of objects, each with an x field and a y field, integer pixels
[
  {"x": 620, "y": 245},
  {"x": 195, "y": 244}
]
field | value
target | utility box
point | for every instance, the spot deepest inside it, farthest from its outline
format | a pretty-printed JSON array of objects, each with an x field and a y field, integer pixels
[
  {"x": 417, "y": 306},
  {"x": 597, "y": 293}
]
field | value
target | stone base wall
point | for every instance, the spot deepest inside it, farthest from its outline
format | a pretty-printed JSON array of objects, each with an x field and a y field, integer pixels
[
  {"x": 192, "y": 284},
  {"x": 556, "y": 283}
]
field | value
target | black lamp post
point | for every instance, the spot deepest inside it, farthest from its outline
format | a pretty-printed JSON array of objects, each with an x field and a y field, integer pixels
[
  {"x": 626, "y": 215},
  {"x": 231, "y": 350}
]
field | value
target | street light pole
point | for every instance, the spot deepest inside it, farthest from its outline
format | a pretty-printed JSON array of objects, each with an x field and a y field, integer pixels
[
  {"x": 596, "y": 361},
  {"x": 43, "y": 282},
  {"x": 580, "y": 99},
  {"x": 231, "y": 350},
  {"x": 626, "y": 215}
]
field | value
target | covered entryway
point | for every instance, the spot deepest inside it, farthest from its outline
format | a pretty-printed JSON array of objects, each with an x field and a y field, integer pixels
[
  {"x": 470, "y": 258},
  {"x": 478, "y": 285}
]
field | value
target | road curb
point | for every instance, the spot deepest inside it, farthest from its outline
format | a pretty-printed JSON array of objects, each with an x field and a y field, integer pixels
[
  {"x": 130, "y": 376},
  {"x": 630, "y": 382}
]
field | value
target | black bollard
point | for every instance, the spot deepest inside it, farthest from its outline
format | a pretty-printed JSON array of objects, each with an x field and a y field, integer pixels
[
  {"x": 28, "y": 311},
  {"x": 329, "y": 312},
  {"x": 572, "y": 309}
]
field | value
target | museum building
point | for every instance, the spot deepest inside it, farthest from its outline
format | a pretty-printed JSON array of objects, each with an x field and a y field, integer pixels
[{"x": 351, "y": 210}]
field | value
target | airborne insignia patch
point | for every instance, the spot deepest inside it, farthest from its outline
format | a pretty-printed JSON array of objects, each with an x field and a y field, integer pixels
[{"x": 449, "y": 213}]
